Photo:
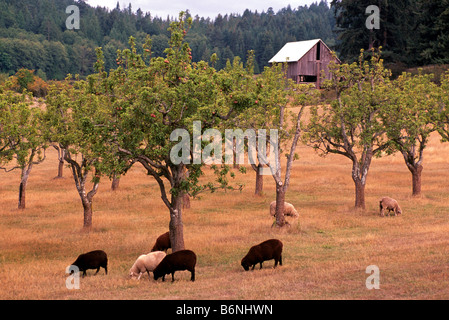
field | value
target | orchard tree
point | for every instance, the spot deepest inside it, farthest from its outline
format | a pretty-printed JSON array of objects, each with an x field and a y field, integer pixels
[
  {"x": 21, "y": 137},
  {"x": 271, "y": 99},
  {"x": 286, "y": 102},
  {"x": 156, "y": 108},
  {"x": 410, "y": 121},
  {"x": 75, "y": 119},
  {"x": 442, "y": 118},
  {"x": 60, "y": 151},
  {"x": 241, "y": 88},
  {"x": 352, "y": 124}
]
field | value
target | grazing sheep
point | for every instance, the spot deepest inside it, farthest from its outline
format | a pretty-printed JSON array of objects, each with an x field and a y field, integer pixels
[
  {"x": 92, "y": 260},
  {"x": 267, "y": 250},
  {"x": 289, "y": 209},
  {"x": 176, "y": 261},
  {"x": 387, "y": 203},
  {"x": 162, "y": 242},
  {"x": 146, "y": 262}
]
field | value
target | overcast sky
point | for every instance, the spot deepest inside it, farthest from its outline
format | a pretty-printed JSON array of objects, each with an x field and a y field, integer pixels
[{"x": 203, "y": 8}]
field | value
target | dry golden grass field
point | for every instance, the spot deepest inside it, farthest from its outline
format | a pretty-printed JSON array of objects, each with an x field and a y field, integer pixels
[{"x": 326, "y": 250}]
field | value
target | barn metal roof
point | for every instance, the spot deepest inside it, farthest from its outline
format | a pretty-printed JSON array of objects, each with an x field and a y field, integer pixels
[{"x": 293, "y": 51}]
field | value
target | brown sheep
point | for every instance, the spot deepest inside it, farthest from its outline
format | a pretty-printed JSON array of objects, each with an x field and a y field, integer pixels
[
  {"x": 387, "y": 203},
  {"x": 267, "y": 250},
  {"x": 177, "y": 261},
  {"x": 289, "y": 209},
  {"x": 92, "y": 260},
  {"x": 162, "y": 242}
]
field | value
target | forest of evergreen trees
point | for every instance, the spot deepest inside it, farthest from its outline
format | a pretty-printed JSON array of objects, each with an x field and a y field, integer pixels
[
  {"x": 33, "y": 34},
  {"x": 413, "y": 32}
]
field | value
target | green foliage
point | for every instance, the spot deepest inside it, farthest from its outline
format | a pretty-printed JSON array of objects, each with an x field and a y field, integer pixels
[
  {"x": 145, "y": 103},
  {"x": 75, "y": 119},
  {"x": 431, "y": 40},
  {"x": 412, "y": 32},
  {"x": 415, "y": 102},
  {"x": 33, "y": 35},
  {"x": 24, "y": 78},
  {"x": 353, "y": 122},
  {"x": 442, "y": 118},
  {"x": 21, "y": 132}
]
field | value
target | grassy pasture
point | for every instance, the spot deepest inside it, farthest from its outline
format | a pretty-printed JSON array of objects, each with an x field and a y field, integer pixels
[{"x": 326, "y": 250}]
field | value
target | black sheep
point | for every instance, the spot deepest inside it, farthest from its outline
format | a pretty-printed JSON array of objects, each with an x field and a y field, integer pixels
[
  {"x": 162, "y": 242},
  {"x": 267, "y": 250},
  {"x": 92, "y": 260},
  {"x": 176, "y": 261}
]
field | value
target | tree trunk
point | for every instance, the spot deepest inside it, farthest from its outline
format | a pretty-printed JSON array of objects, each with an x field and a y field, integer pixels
[
  {"x": 115, "y": 183},
  {"x": 359, "y": 175},
  {"x": 234, "y": 150},
  {"x": 414, "y": 165},
  {"x": 186, "y": 201},
  {"x": 60, "y": 168},
  {"x": 22, "y": 189},
  {"x": 416, "y": 179},
  {"x": 80, "y": 174},
  {"x": 23, "y": 184},
  {"x": 61, "y": 152},
  {"x": 359, "y": 195},
  {"x": 87, "y": 206},
  {"x": 259, "y": 180},
  {"x": 371, "y": 40},
  {"x": 280, "y": 199},
  {"x": 87, "y": 200},
  {"x": 176, "y": 228}
]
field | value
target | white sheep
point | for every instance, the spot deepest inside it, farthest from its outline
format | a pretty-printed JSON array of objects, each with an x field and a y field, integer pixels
[
  {"x": 289, "y": 209},
  {"x": 146, "y": 262}
]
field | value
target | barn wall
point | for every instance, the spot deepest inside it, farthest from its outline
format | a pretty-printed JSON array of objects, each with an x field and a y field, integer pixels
[
  {"x": 326, "y": 58},
  {"x": 292, "y": 70},
  {"x": 309, "y": 66}
]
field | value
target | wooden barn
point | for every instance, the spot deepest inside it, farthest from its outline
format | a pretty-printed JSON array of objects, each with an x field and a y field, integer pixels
[{"x": 305, "y": 60}]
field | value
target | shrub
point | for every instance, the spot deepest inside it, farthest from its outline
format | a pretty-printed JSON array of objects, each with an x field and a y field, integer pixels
[{"x": 39, "y": 88}]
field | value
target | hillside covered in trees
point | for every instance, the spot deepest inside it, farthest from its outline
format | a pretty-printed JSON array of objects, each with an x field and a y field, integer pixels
[
  {"x": 411, "y": 32},
  {"x": 33, "y": 34}
]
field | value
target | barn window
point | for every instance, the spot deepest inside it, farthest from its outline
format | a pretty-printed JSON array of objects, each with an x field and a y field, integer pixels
[
  {"x": 310, "y": 78},
  {"x": 318, "y": 51},
  {"x": 305, "y": 78}
]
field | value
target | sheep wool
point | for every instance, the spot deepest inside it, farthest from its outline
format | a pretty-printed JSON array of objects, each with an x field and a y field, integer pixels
[
  {"x": 162, "y": 242},
  {"x": 176, "y": 261},
  {"x": 390, "y": 204},
  {"x": 92, "y": 260},
  {"x": 267, "y": 250},
  {"x": 146, "y": 263},
  {"x": 289, "y": 209}
]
